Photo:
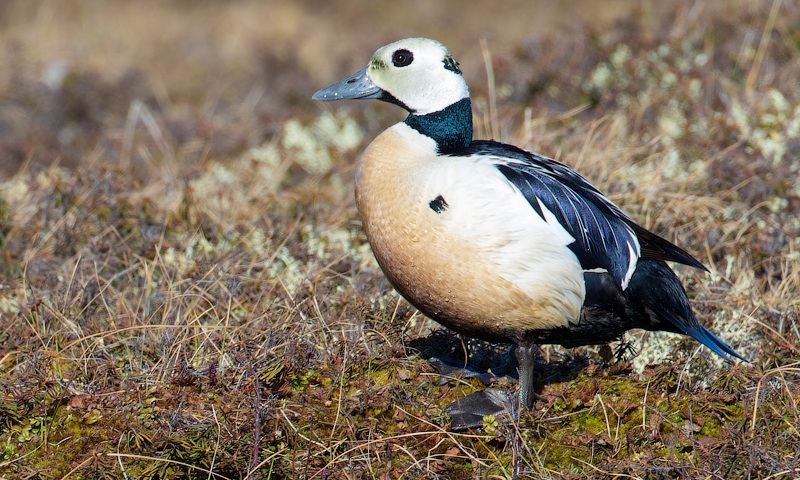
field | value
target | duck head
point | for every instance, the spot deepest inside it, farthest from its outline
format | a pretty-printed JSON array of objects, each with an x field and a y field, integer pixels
[
  {"x": 418, "y": 74},
  {"x": 421, "y": 76}
]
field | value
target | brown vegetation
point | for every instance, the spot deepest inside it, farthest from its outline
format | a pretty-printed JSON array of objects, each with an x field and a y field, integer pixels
[{"x": 185, "y": 291}]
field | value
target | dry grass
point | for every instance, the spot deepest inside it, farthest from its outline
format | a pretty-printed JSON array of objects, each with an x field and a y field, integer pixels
[{"x": 185, "y": 291}]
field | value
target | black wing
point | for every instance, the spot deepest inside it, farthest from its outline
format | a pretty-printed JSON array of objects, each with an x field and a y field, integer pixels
[{"x": 605, "y": 237}]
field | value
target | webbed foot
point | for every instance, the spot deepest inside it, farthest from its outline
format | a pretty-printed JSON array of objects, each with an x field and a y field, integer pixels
[{"x": 469, "y": 411}]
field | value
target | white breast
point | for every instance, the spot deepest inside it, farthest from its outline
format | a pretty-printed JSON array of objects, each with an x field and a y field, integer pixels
[{"x": 496, "y": 254}]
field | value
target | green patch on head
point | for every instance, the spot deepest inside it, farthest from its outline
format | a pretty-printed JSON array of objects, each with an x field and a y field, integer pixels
[
  {"x": 377, "y": 64},
  {"x": 451, "y": 64}
]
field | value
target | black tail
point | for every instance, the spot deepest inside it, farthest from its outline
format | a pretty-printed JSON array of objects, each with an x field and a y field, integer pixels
[{"x": 658, "y": 297}]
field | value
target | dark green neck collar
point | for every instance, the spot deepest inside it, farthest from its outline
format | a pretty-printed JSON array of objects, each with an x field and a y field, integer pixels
[{"x": 451, "y": 128}]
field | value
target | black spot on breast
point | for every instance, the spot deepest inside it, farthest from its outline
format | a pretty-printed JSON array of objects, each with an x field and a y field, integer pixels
[{"x": 438, "y": 204}]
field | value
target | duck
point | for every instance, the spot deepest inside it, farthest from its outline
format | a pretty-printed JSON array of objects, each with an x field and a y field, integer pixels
[{"x": 495, "y": 242}]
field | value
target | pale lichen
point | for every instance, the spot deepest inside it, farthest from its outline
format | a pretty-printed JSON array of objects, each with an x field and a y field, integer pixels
[
  {"x": 288, "y": 269},
  {"x": 311, "y": 144},
  {"x": 9, "y": 304},
  {"x": 768, "y": 124}
]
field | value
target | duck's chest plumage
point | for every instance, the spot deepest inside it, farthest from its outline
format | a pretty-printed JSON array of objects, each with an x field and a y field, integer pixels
[{"x": 461, "y": 243}]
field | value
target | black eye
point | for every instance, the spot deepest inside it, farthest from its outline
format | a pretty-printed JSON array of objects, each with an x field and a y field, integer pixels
[{"x": 402, "y": 58}]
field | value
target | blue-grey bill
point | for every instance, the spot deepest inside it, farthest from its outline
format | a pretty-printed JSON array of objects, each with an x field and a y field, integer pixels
[{"x": 357, "y": 85}]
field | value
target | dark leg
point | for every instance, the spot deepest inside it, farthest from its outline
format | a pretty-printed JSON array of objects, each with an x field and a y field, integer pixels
[
  {"x": 525, "y": 355},
  {"x": 469, "y": 411}
]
